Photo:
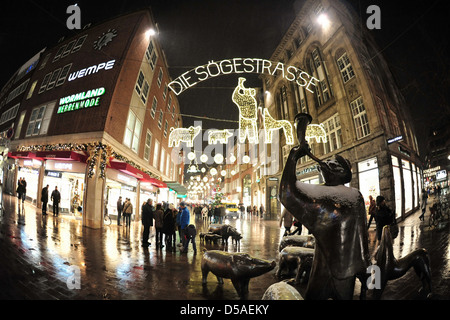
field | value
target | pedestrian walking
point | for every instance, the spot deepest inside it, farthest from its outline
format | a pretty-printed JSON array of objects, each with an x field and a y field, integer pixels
[
  {"x": 56, "y": 198},
  {"x": 119, "y": 210},
  {"x": 423, "y": 204},
  {"x": 383, "y": 215},
  {"x": 127, "y": 211},
  {"x": 147, "y": 221},
  {"x": 24, "y": 189},
  {"x": 159, "y": 217},
  {"x": 19, "y": 189},
  {"x": 372, "y": 207},
  {"x": 216, "y": 214},
  {"x": 205, "y": 213},
  {"x": 190, "y": 233},
  {"x": 169, "y": 227},
  {"x": 287, "y": 218},
  {"x": 261, "y": 210},
  {"x": 184, "y": 222},
  {"x": 44, "y": 200}
]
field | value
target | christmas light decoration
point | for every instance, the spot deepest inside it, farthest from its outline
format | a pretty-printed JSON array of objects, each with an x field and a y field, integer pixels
[
  {"x": 213, "y": 171},
  {"x": 246, "y": 159},
  {"x": 187, "y": 135},
  {"x": 245, "y": 100},
  {"x": 203, "y": 158},
  {"x": 191, "y": 156},
  {"x": 316, "y": 131},
  {"x": 218, "y": 158},
  {"x": 221, "y": 136},
  {"x": 270, "y": 124}
]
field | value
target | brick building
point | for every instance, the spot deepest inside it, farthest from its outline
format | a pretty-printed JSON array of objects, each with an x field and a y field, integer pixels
[{"x": 93, "y": 117}]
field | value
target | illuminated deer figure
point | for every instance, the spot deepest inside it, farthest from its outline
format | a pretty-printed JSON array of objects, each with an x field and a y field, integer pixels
[
  {"x": 270, "y": 124},
  {"x": 248, "y": 112}
]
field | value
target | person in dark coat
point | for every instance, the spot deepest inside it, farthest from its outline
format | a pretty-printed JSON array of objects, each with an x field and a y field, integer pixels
[
  {"x": 383, "y": 215},
  {"x": 44, "y": 199},
  {"x": 169, "y": 227},
  {"x": 56, "y": 198},
  {"x": 119, "y": 210},
  {"x": 147, "y": 221}
]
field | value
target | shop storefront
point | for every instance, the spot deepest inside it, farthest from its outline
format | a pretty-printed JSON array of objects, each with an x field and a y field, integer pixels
[
  {"x": 28, "y": 169},
  {"x": 119, "y": 184},
  {"x": 69, "y": 177},
  {"x": 369, "y": 180}
]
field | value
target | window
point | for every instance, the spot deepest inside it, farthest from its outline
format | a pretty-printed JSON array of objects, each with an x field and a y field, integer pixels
[
  {"x": 160, "y": 119},
  {"x": 151, "y": 55},
  {"x": 156, "y": 154},
  {"x": 132, "y": 132},
  {"x": 139, "y": 83},
  {"x": 68, "y": 49},
  {"x": 154, "y": 105},
  {"x": 19, "y": 125},
  {"x": 79, "y": 43},
  {"x": 62, "y": 77},
  {"x": 173, "y": 112},
  {"x": 162, "y": 160},
  {"x": 44, "y": 62},
  {"x": 9, "y": 114},
  {"x": 169, "y": 103},
  {"x": 144, "y": 94},
  {"x": 345, "y": 67},
  {"x": 166, "y": 127},
  {"x": 166, "y": 87},
  {"x": 17, "y": 91},
  {"x": 53, "y": 79},
  {"x": 316, "y": 58},
  {"x": 58, "y": 53},
  {"x": 360, "y": 118},
  {"x": 36, "y": 118},
  {"x": 148, "y": 145},
  {"x": 45, "y": 82},
  {"x": 334, "y": 133},
  {"x": 160, "y": 77},
  {"x": 30, "y": 92}
]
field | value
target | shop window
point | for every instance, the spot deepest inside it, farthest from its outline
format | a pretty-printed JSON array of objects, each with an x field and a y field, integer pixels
[
  {"x": 369, "y": 180},
  {"x": 360, "y": 118},
  {"x": 397, "y": 186},
  {"x": 345, "y": 67}
]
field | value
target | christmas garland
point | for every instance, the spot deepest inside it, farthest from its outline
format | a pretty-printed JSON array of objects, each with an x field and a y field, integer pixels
[{"x": 98, "y": 152}]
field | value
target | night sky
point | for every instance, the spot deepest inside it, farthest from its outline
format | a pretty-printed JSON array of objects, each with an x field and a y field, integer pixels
[{"x": 414, "y": 38}]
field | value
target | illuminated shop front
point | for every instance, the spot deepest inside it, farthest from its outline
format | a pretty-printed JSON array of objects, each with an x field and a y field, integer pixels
[
  {"x": 69, "y": 177},
  {"x": 369, "y": 180},
  {"x": 119, "y": 184},
  {"x": 29, "y": 170}
]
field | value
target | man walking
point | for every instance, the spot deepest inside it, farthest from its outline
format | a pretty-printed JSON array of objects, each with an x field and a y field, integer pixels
[
  {"x": 44, "y": 199},
  {"x": 56, "y": 198},
  {"x": 119, "y": 210},
  {"x": 184, "y": 222}
]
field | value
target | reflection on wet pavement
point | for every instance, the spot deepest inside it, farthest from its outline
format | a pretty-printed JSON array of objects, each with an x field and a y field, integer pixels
[{"x": 40, "y": 253}]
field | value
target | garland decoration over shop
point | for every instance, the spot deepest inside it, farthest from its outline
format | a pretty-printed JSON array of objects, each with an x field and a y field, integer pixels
[{"x": 99, "y": 153}]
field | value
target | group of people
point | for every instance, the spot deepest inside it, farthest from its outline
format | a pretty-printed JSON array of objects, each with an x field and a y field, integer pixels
[
  {"x": 166, "y": 219},
  {"x": 55, "y": 196},
  {"x": 254, "y": 210}
]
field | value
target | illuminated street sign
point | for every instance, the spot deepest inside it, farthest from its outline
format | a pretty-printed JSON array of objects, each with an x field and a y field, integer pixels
[{"x": 81, "y": 100}]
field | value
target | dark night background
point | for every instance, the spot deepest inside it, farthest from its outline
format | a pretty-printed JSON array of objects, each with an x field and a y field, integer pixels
[{"x": 414, "y": 39}]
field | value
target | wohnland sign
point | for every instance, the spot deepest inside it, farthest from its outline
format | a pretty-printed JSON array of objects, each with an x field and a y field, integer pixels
[
  {"x": 242, "y": 65},
  {"x": 82, "y": 100}
]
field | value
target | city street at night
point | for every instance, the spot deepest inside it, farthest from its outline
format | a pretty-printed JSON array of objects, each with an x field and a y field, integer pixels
[{"x": 38, "y": 253}]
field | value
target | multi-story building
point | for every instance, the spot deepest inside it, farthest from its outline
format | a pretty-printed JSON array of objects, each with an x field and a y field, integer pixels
[
  {"x": 355, "y": 97},
  {"x": 94, "y": 118},
  {"x": 438, "y": 157}
]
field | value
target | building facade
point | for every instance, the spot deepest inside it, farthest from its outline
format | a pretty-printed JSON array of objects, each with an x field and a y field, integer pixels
[
  {"x": 94, "y": 118},
  {"x": 355, "y": 98}
]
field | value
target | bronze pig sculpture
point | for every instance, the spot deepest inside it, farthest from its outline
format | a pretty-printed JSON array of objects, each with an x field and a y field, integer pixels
[
  {"x": 237, "y": 266},
  {"x": 298, "y": 258},
  {"x": 298, "y": 241},
  {"x": 225, "y": 231},
  {"x": 281, "y": 291}
]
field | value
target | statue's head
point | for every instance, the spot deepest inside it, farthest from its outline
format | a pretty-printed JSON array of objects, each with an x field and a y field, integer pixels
[{"x": 336, "y": 171}]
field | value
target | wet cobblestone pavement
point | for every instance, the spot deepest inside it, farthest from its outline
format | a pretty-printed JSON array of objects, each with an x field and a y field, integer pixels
[{"x": 38, "y": 254}]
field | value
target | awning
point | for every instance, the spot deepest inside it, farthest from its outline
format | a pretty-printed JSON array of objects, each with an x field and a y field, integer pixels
[
  {"x": 179, "y": 188},
  {"x": 61, "y": 155},
  {"x": 138, "y": 174},
  {"x": 22, "y": 155}
]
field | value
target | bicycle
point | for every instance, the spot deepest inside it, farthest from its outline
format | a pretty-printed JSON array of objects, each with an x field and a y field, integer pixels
[{"x": 437, "y": 215}]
